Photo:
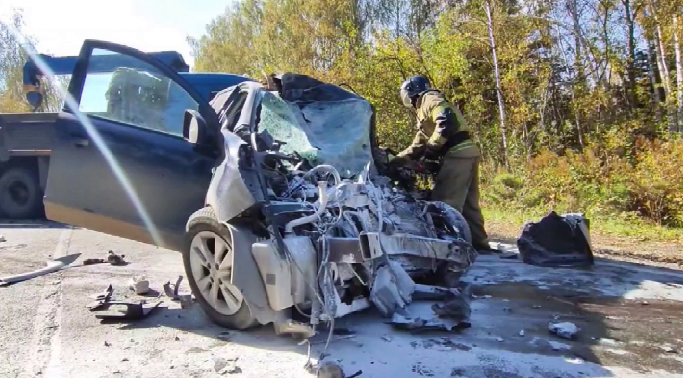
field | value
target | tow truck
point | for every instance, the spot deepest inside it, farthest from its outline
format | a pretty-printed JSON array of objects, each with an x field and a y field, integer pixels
[{"x": 26, "y": 139}]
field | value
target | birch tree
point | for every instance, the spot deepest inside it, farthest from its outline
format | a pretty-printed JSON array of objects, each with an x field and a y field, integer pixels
[
  {"x": 664, "y": 70},
  {"x": 499, "y": 93},
  {"x": 679, "y": 70}
]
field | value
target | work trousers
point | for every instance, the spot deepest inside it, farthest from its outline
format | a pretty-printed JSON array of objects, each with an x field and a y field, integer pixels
[{"x": 457, "y": 184}]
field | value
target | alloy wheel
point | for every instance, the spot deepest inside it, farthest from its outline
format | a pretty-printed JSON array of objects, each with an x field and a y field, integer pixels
[{"x": 211, "y": 261}]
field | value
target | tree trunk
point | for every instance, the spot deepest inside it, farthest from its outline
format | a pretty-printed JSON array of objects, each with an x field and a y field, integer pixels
[
  {"x": 679, "y": 73},
  {"x": 630, "y": 61},
  {"x": 499, "y": 93},
  {"x": 578, "y": 60},
  {"x": 664, "y": 72},
  {"x": 574, "y": 107},
  {"x": 656, "y": 99}
]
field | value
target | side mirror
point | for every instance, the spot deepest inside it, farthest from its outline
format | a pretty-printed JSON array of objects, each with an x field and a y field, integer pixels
[{"x": 195, "y": 129}]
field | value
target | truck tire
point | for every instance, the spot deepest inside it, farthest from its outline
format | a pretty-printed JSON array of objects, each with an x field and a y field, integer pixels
[
  {"x": 20, "y": 193},
  {"x": 209, "y": 277}
]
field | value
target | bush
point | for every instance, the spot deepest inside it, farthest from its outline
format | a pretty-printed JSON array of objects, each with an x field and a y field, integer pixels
[
  {"x": 504, "y": 189},
  {"x": 641, "y": 178},
  {"x": 657, "y": 182}
]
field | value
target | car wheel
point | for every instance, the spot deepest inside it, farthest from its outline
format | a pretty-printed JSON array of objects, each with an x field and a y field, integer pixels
[
  {"x": 208, "y": 260},
  {"x": 20, "y": 194}
]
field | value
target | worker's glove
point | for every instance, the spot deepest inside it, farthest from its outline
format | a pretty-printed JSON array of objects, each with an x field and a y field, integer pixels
[
  {"x": 431, "y": 154},
  {"x": 432, "y": 167},
  {"x": 398, "y": 161}
]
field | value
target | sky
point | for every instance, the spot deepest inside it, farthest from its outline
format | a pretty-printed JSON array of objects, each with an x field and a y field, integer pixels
[{"x": 60, "y": 26}]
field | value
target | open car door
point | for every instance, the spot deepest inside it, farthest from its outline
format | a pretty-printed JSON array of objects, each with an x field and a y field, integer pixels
[{"x": 128, "y": 170}]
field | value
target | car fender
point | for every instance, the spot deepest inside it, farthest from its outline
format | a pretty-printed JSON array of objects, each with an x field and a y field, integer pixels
[{"x": 246, "y": 275}]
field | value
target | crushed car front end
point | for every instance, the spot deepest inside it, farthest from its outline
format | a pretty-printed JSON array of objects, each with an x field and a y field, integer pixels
[{"x": 317, "y": 232}]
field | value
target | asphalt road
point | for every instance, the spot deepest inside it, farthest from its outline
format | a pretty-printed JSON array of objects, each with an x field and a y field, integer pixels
[{"x": 629, "y": 318}]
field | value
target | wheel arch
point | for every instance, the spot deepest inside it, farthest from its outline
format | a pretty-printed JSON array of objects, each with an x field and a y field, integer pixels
[{"x": 246, "y": 275}]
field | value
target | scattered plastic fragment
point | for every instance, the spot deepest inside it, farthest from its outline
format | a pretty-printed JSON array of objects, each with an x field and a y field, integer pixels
[
  {"x": 139, "y": 284},
  {"x": 52, "y": 266},
  {"x": 565, "y": 330},
  {"x": 101, "y": 299},
  {"x": 112, "y": 258},
  {"x": 226, "y": 366},
  {"x": 115, "y": 259},
  {"x": 133, "y": 311},
  {"x": 172, "y": 291}
]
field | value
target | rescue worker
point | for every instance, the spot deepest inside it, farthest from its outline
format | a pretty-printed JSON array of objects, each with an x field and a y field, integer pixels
[{"x": 443, "y": 136}]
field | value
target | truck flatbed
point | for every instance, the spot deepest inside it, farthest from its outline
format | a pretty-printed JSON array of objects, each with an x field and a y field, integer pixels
[{"x": 26, "y": 134}]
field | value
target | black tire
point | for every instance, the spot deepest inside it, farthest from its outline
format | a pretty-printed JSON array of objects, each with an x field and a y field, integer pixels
[
  {"x": 20, "y": 193},
  {"x": 463, "y": 226},
  {"x": 205, "y": 220},
  {"x": 458, "y": 221}
]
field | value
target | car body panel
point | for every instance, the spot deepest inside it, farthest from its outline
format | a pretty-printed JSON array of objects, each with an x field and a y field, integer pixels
[{"x": 169, "y": 175}]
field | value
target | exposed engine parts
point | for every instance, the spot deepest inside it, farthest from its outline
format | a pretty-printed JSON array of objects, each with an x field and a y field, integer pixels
[{"x": 357, "y": 242}]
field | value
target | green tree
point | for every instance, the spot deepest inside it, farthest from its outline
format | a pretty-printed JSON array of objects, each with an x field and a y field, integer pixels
[{"x": 12, "y": 59}]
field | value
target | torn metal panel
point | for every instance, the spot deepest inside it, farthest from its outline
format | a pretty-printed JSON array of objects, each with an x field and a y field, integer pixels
[
  {"x": 392, "y": 289},
  {"x": 461, "y": 254},
  {"x": 229, "y": 192},
  {"x": 433, "y": 293},
  {"x": 455, "y": 306},
  {"x": 421, "y": 317},
  {"x": 291, "y": 327}
]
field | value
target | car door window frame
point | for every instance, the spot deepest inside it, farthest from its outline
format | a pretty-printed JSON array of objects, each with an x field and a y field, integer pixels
[{"x": 80, "y": 73}]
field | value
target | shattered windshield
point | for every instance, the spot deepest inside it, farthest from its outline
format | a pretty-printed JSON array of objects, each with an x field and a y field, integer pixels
[{"x": 324, "y": 132}]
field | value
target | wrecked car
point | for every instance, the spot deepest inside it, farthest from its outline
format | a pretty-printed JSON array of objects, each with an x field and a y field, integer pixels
[{"x": 276, "y": 194}]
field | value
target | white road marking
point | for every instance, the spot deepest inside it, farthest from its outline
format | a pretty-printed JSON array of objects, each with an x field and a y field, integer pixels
[{"x": 47, "y": 344}]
